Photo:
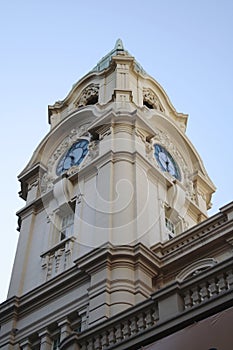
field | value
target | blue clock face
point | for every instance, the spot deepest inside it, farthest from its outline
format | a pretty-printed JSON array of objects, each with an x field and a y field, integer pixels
[
  {"x": 166, "y": 162},
  {"x": 73, "y": 157}
]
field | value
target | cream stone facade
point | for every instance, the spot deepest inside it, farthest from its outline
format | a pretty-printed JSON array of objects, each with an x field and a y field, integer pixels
[{"x": 114, "y": 237}]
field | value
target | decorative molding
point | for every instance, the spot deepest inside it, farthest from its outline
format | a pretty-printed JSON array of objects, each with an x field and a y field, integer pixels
[
  {"x": 152, "y": 99},
  {"x": 87, "y": 95},
  {"x": 125, "y": 128},
  {"x": 196, "y": 268}
]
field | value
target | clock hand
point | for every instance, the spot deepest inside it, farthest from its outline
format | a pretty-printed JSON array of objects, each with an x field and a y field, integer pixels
[
  {"x": 72, "y": 160},
  {"x": 167, "y": 163}
]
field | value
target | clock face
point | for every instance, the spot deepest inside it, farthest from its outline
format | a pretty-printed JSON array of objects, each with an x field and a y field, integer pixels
[
  {"x": 166, "y": 162},
  {"x": 73, "y": 157}
]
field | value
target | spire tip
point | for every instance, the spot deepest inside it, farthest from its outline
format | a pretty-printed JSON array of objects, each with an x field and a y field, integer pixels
[{"x": 119, "y": 45}]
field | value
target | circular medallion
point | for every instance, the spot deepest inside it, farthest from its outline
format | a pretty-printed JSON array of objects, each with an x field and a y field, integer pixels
[
  {"x": 73, "y": 157},
  {"x": 166, "y": 161}
]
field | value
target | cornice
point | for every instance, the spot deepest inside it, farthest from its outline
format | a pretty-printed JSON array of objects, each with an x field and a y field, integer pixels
[
  {"x": 51, "y": 289},
  {"x": 25, "y": 177},
  {"x": 121, "y": 254},
  {"x": 36, "y": 204},
  {"x": 210, "y": 235},
  {"x": 9, "y": 308}
]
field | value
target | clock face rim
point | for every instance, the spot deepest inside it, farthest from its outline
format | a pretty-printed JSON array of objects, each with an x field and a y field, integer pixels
[
  {"x": 69, "y": 156},
  {"x": 162, "y": 156}
]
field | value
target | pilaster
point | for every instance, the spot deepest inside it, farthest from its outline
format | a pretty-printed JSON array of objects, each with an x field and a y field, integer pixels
[
  {"x": 65, "y": 329},
  {"x": 46, "y": 340},
  {"x": 26, "y": 345},
  {"x": 121, "y": 276}
]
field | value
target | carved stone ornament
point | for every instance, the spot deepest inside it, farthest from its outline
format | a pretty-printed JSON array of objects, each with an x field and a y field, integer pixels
[
  {"x": 139, "y": 133},
  {"x": 48, "y": 178},
  {"x": 46, "y": 183},
  {"x": 88, "y": 94},
  {"x": 79, "y": 198},
  {"x": 152, "y": 99},
  {"x": 33, "y": 184}
]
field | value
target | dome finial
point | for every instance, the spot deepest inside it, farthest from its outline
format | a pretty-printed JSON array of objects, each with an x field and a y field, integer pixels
[{"x": 119, "y": 45}]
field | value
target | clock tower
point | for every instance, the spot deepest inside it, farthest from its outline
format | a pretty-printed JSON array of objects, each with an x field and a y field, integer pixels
[{"x": 115, "y": 177}]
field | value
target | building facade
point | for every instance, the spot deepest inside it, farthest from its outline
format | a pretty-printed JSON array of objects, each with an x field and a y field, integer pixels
[{"x": 116, "y": 249}]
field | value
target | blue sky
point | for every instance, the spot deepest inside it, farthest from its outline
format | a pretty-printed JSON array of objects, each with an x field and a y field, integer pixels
[{"x": 47, "y": 45}]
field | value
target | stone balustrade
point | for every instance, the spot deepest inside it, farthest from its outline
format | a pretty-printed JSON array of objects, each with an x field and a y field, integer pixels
[
  {"x": 178, "y": 301},
  {"x": 125, "y": 329},
  {"x": 58, "y": 258},
  {"x": 205, "y": 289}
]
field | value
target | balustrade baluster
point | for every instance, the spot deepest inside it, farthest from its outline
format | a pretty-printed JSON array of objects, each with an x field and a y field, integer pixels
[
  {"x": 97, "y": 343},
  {"x": 133, "y": 325},
  {"x": 84, "y": 346},
  {"x": 230, "y": 278},
  {"x": 222, "y": 283},
  {"x": 196, "y": 295},
  {"x": 53, "y": 264},
  {"x": 213, "y": 288},
  {"x": 204, "y": 292},
  {"x": 141, "y": 322},
  {"x": 126, "y": 329},
  {"x": 119, "y": 333},
  {"x": 188, "y": 303},
  {"x": 104, "y": 340},
  {"x": 111, "y": 336},
  {"x": 50, "y": 266},
  {"x": 149, "y": 318},
  {"x": 90, "y": 345},
  {"x": 155, "y": 314},
  {"x": 56, "y": 260}
]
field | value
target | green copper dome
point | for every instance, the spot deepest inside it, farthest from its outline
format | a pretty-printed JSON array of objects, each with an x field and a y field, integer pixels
[{"x": 117, "y": 51}]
